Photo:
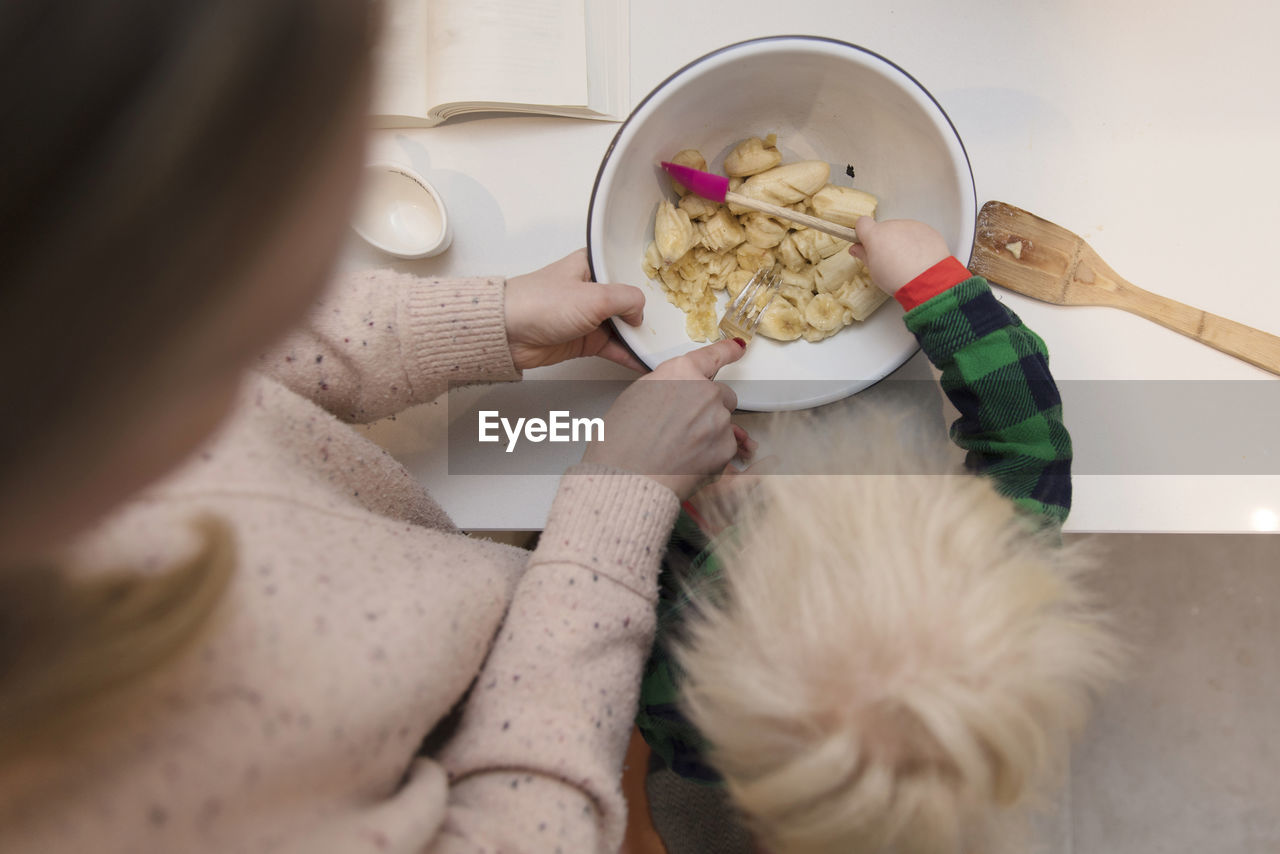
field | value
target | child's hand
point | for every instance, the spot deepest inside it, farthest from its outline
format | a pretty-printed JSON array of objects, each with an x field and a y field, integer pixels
[
  {"x": 897, "y": 250},
  {"x": 716, "y": 502},
  {"x": 558, "y": 313}
]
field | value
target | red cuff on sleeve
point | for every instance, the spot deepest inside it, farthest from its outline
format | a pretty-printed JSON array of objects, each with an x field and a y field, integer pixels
[
  {"x": 688, "y": 507},
  {"x": 945, "y": 274}
]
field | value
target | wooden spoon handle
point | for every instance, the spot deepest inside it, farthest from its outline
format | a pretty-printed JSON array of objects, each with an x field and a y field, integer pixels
[
  {"x": 1244, "y": 342},
  {"x": 813, "y": 222}
]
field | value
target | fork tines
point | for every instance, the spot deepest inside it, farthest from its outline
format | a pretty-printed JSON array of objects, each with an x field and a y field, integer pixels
[{"x": 744, "y": 311}]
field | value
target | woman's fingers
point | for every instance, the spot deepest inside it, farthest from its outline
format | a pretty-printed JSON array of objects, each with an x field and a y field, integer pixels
[
  {"x": 618, "y": 353},
  {"x": 576, "y": 265},
  {"x": 625, "y": 301},
  {"x": 708, "y": 360},
  {"x": 746, "y": 445},
  {"x": 730, "y": 398},
  {"x": 673, "y": 425}
]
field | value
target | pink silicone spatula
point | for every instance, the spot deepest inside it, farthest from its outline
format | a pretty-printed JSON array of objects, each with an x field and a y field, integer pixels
[{"x": 716, "y": 188}]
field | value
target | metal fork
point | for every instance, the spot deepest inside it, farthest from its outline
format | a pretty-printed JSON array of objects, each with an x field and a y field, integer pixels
[{"x": 744, "y": 311}]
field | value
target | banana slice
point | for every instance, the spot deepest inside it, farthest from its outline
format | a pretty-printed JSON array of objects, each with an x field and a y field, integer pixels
[
  {"x": 781, "y": 321},
  {"x": 690, "y": 274},
  {"x": 721, "y": 232},
  {"x": 737, "y": 280},
  {"x": 689, "y": 157},
  {"x": 700, "y": 324},
  {"x": 763, "y": 230},
  {"x": 752, "y": 156},
  {"x": 785, "y": 185},
  {"x": 813, "y": 335},
  {"x": 799, "y": 297},
  {"x": 789, "y": 253},
  {"x": 802, "y": 278},
  {"x": 752, "y": 258},
  {"x": 843, "y": 205},
  {"x": 815, "y": 245},
  {"x": 835, "y": 272},
  {"x": 824, "y": 313},
  {"x": 861, "y": 298},
  {"x": 697, "y": 207},
  {"x": 652, "y": 260},
  {"x": 735, "y": 186},
  {"x": 719, "y": 263},
  {"x": 671, "y": 280},
  {"x": 673, "y": 232}
]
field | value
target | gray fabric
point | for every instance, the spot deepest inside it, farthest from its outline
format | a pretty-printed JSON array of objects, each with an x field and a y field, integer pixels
[{"x": 692, "y": 818}]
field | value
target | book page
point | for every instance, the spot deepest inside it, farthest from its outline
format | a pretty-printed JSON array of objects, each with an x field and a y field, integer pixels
[
  {"x": 609, "y": 56},
  {"x": 507, "y": 51},
  {"x": 400, "y": 60}
]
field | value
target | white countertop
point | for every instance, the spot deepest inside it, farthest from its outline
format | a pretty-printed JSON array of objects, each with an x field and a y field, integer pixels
[{"x": 1151, "y": 130}]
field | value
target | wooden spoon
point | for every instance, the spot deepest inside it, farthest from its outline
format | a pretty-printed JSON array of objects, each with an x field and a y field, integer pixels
[{"x": 1034, "y": 257}]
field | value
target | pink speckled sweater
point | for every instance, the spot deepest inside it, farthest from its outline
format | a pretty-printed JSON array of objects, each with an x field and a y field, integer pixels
[{"x": 358, "y": 618}]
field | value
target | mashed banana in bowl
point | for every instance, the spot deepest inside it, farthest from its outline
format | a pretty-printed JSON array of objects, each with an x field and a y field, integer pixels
[{"x": 701, "y": 248}]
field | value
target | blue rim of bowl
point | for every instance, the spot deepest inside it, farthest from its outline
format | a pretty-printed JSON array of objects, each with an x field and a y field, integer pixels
[{"x": 591, "y": 204}]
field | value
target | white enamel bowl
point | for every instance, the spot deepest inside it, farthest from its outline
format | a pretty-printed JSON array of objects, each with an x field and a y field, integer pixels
[{"x": 826, "y": 100}]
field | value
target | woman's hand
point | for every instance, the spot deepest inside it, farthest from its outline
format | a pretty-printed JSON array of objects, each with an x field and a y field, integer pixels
[
  {"x": 558, "y": 313},
  {"x": 897, "y": 250},
  {"x": 673, "y": 424}
]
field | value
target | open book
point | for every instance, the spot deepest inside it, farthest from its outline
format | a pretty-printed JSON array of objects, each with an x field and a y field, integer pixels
[{"x": 442, "y": 58}]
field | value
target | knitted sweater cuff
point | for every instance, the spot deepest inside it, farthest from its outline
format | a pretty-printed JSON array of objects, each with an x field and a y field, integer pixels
[
  {"x": 457, "y": 330},
  {"x": 612, "y": 522}
]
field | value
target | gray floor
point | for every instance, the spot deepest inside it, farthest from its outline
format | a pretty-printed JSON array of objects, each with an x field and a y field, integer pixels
[{"x": 1184, "y": 756}]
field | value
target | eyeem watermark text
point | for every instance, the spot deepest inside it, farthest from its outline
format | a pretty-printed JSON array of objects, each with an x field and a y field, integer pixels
[{"x": 557, "y": 427}]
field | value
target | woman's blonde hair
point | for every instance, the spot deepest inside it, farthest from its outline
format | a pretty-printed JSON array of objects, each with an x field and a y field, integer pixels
[
  {"x": 150, "y": 149},
  {"x": 894, "y": 660},
  {"x": 66, "y": 648}
]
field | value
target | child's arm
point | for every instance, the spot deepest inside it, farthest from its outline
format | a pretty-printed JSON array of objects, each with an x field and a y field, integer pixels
[{"x": 994, "y": 369}]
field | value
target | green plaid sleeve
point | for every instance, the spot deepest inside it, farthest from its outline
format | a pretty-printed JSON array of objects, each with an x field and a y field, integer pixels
[
  {"x": 689, "y": 562},
  {"x": 996, "y": 372}
]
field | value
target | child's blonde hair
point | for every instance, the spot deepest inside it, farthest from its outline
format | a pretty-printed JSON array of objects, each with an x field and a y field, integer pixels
[{"x": 892, "y": 660}]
